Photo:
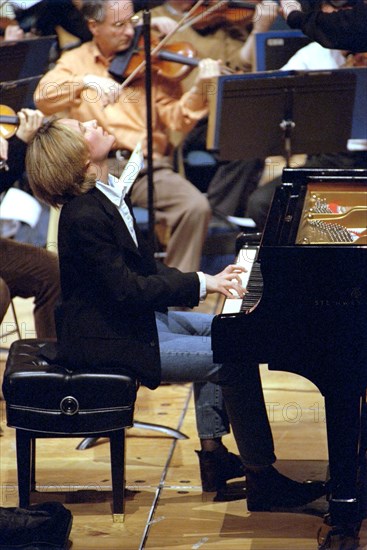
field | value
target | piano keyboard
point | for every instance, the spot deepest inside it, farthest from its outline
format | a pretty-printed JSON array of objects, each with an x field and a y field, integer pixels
[{"x": 251, "y": 279}]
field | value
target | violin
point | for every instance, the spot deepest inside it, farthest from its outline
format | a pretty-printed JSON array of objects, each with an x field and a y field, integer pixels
[
  {"x": 8, "y": 126},
  {"x": 9, "y": 122},
  {"x": 174, "y": 62},
  {"x": 180, "y": 54},
  {"x": 212, "y": 13},
  {"x": 356, "y": 60}
]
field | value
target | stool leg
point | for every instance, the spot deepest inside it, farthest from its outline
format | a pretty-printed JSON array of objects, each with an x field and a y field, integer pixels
[
  {"x": 23, "y": 444},
  {"x": 117, "y": 450}
]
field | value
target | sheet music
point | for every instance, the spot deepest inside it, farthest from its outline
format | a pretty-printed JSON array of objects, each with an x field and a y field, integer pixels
[
  {"x": 25, "y": 4},
  {"x": 18, "y": 205}
]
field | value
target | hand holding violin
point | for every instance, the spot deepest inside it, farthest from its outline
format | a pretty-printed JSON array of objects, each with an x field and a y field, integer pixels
[
  {"x": 208, "y": 69},
  {"x": 163, "y": 25},
  {"x": 24, "y": 125},
  {"x": 13, "y": 33},
  {"x": 29, "y": 122}
]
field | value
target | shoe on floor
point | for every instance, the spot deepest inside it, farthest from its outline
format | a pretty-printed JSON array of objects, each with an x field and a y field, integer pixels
[
  {"x": 268, "y": 489},
  {"x": 217, "y": 467}
]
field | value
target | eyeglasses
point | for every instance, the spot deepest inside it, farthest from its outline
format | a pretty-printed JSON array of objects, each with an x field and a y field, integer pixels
[{"x": 133, "y": 21}]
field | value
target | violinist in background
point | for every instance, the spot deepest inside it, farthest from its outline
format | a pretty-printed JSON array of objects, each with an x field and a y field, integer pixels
[
  {"x": 81, "y": 85},
  {"x": 26, "y": 270},
  {"x": 228, "y": 35}
]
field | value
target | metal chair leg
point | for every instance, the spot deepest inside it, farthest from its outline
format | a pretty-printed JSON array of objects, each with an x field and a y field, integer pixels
[
  {"x": 176, "y": 434},
  {"x": 15, "y": 330}
]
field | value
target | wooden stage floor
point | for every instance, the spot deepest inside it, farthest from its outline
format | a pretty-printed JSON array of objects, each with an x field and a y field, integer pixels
[{"x": 165, "y": 507}]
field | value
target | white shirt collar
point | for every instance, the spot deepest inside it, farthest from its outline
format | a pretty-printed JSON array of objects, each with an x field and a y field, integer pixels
[{"x": 113, "y": 191}]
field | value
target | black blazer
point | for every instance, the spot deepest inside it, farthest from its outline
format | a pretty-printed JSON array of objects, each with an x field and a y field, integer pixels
[
  {"x": 340, "y": 30},
  {"x": 111, "y": 289}
]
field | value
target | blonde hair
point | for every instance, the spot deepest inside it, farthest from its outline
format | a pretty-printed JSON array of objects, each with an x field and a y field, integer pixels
[{"x": 56, "y": 164}]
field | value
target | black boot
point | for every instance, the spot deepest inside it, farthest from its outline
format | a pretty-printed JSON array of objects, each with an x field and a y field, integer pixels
[
  {"x": 267, "y": 488},
  {"x": 216, "y": 467}
]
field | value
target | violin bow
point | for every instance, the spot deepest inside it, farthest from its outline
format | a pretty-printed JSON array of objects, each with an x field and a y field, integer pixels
[{"x": 162, "y": 43}]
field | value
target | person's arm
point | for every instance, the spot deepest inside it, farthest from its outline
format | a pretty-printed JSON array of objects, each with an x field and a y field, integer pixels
[
  {"x": 182, "y": 113},
  {"x": 13, "y": 33},
  {"x": 221, "y": 283},
  {"x": 13, "y": 151},
  {"x": 342, "y": 30},
  {"x": 93, "y": 249},
  {"x": 61, "y": 87},
  {"x": 265, "y": 14}
]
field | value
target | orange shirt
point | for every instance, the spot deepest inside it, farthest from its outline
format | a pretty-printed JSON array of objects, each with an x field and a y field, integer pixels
[{"x": 61, "y": 90}]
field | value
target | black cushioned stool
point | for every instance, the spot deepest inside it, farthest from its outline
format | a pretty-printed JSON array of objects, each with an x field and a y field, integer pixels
[{"x": 46, "y": 400}]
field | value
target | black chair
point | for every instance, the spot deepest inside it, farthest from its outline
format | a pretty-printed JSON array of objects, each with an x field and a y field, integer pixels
[{"x": 45, "y": 400}]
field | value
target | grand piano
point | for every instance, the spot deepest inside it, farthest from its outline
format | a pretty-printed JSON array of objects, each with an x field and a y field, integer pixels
[{"x": 306, "y": 312}]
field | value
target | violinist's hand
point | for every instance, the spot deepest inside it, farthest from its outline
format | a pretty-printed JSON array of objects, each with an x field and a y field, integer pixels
[
  {"x": 225, "y": 281},
  {"x": 265, "y": 14},
  {"x": 4, "y": 147},
  {"x": 208, "y": 68},
  {"x": 29, "y": 122},
  {"x": 287, "y": 6},
  {"x": 163, "y": 25},
  {"x": 13, "y": 33},
  {"x": 105, "y": 89}
]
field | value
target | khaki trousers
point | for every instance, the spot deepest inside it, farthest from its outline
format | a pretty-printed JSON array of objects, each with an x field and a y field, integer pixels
[{"x": 30, "y": 271}]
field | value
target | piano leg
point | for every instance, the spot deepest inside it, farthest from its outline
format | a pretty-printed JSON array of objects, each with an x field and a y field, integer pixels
[
  {"x": 362, "y": 470},
  {"x": 344, "y": 431},
  {"x": 343, "y": 418}
]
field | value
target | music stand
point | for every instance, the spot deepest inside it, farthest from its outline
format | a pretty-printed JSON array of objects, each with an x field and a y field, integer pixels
[
  {"x": 25, "y": 58},
  {"x": 281, "y": 113},
  {"x": 359, "y": 124},
  {"x": 18, "y": 94}
]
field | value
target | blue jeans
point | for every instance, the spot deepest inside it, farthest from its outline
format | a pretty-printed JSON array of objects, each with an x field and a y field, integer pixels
[{"x": 224, "y": 394}]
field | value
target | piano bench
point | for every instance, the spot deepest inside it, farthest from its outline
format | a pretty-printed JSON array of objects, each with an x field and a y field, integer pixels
[{"x": 46, "y": 400}]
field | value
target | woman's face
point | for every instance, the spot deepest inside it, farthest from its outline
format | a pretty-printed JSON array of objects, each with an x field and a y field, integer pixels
[{"x": 99, "y": 141}]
